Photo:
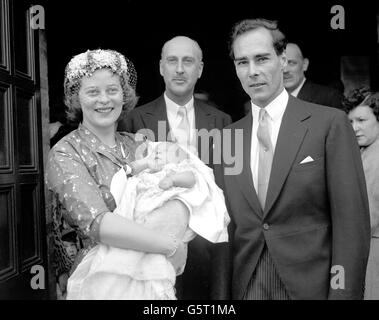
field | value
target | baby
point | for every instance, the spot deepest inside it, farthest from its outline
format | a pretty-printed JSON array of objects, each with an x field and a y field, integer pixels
[{"x": 168, "y": 172}]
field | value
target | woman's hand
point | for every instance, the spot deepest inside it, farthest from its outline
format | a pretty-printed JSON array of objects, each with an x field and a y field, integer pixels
[
  {"x": 123, "y": 233},
  {"x": 178, "y": 260},
  {"x": 166, "y": 183}
]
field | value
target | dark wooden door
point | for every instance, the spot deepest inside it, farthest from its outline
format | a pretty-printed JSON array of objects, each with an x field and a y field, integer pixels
[{"x": 22, "y": 223}]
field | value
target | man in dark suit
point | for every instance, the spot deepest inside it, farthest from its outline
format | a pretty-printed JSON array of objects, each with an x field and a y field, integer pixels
[
  {"x": 299, "y": 210},
  {"x": 181, "y": 66},
  {"x": 302, "y": 88}
]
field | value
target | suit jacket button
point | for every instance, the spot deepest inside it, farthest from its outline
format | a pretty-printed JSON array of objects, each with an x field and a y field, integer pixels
[{"x": 265, "y": 226}]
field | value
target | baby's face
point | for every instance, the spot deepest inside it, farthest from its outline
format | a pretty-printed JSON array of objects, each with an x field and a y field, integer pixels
[
  {"x": 71, "y": 249},
  {"x": 170, "y": 153}
]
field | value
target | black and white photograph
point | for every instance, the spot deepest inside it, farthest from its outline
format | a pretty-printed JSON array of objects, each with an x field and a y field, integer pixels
[{"x": 189, "y": 151}]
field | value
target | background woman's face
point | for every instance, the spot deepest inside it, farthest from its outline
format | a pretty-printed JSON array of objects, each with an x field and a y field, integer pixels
[
  {"x": 101, "y": 99},
  {"x": 365, "y": 125},
  {"x": 71, "y": 249}
]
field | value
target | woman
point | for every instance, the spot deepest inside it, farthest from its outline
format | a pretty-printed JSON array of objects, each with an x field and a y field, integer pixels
[
  {"x": 120, "y": 274},
  {"x": 99, "y": 87},
  {"x": 363, "y": 111}
]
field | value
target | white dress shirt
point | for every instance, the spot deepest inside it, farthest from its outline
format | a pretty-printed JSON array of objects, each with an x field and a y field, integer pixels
[
  {"x": 297, "y": 90},
  {"x": 275, "y": 111},
  {"x": 174, "y": 119}
]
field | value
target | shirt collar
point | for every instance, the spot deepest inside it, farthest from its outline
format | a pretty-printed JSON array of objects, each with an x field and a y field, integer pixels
[
  {"x": 298, "y": 88},
  {"x": 173, "y": 107},
  {"x": 275, "y": 108}
]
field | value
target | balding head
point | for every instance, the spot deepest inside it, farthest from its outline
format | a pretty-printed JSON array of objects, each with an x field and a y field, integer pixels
[
  {"x": 182, "y": 41},
  {"x": 295, "y": 50},
  {"x": 296, "y": 66},
  {"x": 181, "y": 66}
]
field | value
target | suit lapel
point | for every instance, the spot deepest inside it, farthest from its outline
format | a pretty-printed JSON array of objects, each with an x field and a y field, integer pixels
[
  {"x": 157, "y": 112},
  {"x": 203, "y": 120},
  {"x": 291, "y": 135},
  {"x": 305, "y": 91},
  {"x": 245, "y": 179}
]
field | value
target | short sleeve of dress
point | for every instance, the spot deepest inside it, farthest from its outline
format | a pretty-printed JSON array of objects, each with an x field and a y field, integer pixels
[{"x": 68, "y": 177}]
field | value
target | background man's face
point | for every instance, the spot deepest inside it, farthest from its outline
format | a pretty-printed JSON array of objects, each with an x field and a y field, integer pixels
[
  {"x": 296, "y": 66},
  {"x": 258, "y": 67},
  {"x": 180, "y": 67}
]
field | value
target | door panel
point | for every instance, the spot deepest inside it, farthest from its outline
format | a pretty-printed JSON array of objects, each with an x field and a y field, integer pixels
[
  {"x": 23, "y": 42},
  {"x": 4, "y": 36},
  {"x": 7, "y": 236},
  {"x": 5, "y": 126},
  {"x": 26, "y": 131},
  {"x": 22, "y": 210},
  {"x": 30, "y": 252},
  {"x": 2, "y": 55}
]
